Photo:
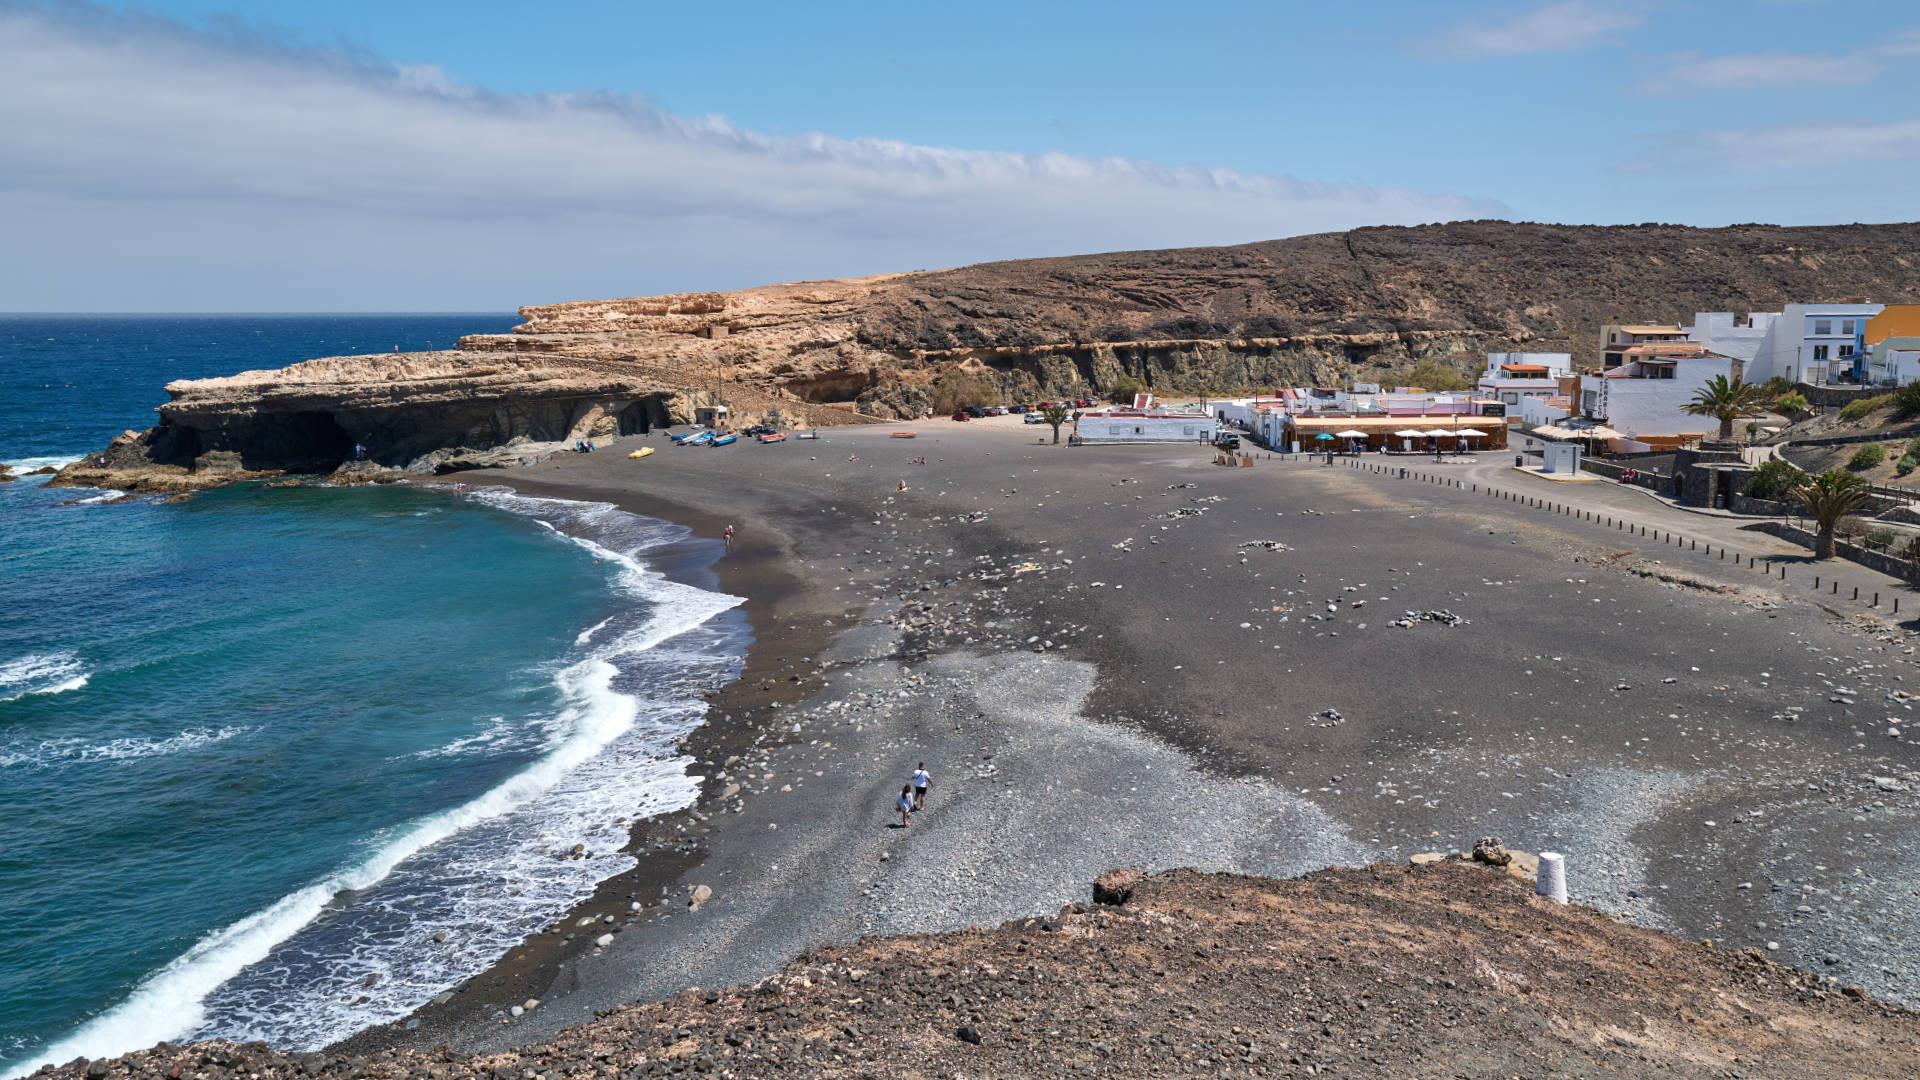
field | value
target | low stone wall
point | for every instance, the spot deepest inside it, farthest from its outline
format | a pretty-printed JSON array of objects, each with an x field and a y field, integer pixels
[
  {"x": 1647, "y": 462},
  {"x": 1645, "y": 455},
  {"x": 1835, "y": 396},
  {"x": 1895, "y": 436},
  {"x": 1661, "y": 483},
  {"x": 1891, "y": 565}
]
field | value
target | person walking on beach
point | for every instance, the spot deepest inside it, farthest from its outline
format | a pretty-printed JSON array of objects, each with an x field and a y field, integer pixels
[
  {"x": 922, "y": 779},
  {"x": 729, "y": 536},
  {"x": 905, "y": 806}
]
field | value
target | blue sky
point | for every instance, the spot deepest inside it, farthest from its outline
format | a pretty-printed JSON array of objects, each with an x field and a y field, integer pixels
[{"x": 356, "y": 155}]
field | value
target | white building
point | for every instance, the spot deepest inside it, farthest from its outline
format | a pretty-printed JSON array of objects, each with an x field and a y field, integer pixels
[
  {"x": 1895, "y": 365},
  {"x": 1812, "y": 343},
  {"x": 1536, "y": 411},
  {"x": 1121, "y": 425},
  {"x": 1732, "y": 335},
  {"x": 1237, "y": 411},
  {"x": 1511, "y": 377},
  {"x": 1647, "y": 396}
]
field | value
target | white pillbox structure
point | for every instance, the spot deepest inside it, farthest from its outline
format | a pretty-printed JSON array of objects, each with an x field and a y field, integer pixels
[{"x": 1552, "y": 883}]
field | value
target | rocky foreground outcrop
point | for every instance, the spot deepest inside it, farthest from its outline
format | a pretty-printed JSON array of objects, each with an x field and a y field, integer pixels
[
  {"x": 1367, "y": 304},
  {"x": 1448, "y": 970}
]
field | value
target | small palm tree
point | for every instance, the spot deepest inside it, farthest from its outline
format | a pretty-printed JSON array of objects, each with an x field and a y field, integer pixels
[
  {"x": 1726, "y": 400},
  {"x": 1055, "y": 414},
  {"x": 1827, "y": 498}
]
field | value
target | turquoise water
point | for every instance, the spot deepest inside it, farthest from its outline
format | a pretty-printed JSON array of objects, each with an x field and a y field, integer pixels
[{"x": 259, "y": 748}]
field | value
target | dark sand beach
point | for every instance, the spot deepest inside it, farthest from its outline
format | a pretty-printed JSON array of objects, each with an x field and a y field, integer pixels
[{"x": 1114, "y": 656}]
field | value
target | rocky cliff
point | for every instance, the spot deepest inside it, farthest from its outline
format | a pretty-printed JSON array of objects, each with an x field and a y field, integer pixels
[
  {"x": 1366, "y": 303},
  {"x": 1445, "y": 970},
  {"x": 1217, "y": 320}
]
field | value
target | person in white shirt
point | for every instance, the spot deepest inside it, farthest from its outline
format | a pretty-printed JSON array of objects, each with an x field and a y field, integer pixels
[
  {"x": 905, "y": 806},
  {"x": 921, "y": 780}
]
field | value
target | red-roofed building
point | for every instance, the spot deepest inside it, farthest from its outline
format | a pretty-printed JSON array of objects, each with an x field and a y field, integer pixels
[{"x": 1511, "y": 377}]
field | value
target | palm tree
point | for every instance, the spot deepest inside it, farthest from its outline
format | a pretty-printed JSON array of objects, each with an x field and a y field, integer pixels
[
  {"x": 1726, "y": 400},
  {"x": 1827, "y": 498},
  {"x": 1055, "y": 414}
]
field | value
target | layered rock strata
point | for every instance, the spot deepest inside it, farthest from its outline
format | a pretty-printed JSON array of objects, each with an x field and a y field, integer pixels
[{"x": 1367, "y": 304}]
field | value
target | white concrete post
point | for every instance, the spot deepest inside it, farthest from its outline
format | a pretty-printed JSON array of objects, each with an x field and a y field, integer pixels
[{"x": 1552, "y": 881}]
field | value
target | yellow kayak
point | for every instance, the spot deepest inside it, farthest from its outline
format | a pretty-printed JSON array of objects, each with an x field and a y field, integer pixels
[{"x": 642, "y": 452}]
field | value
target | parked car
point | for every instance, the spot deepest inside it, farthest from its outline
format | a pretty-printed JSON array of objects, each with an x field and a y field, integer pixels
[
  {"x": 757, "y": 430},
  {"x": 1084, "y": 403},
  {"x": 975, "y": 411},
  {"x": 1227, "y": 440},
  {"x": 1034, "y": 418},
  {"x": 1017, "y": 409},
  {"x": 962, "y": 415}
]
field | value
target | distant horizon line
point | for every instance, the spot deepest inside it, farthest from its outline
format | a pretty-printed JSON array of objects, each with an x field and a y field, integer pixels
[{"x": 231, "y": 314}]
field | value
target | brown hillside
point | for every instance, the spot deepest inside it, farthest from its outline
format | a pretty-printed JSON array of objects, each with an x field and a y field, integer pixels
[
  {"x": 1540, "y": 283},
  {"x": 1314, "y": 308}
]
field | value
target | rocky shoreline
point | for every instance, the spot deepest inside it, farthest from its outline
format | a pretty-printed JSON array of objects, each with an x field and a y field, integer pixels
[{"x": 1099, "y": 681}]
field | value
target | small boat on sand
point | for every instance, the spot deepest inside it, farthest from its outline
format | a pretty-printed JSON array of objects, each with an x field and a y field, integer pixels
[
  {"x": 807, "y": 435},
  {"x": 702, "y": 439},
  {"x": 725, "y": 440},
  {"x": 642, "y": 452},
  {"x": 774, "y": 436},
  {"x": 901, "y": 434},
  {"x": 690, "y": 436}
]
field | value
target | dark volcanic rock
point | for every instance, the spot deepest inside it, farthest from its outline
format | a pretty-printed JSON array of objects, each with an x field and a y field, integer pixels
[{"x": 1115, "y": 887}]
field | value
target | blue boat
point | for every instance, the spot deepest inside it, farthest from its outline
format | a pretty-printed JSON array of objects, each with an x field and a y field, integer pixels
[
  {"x": 725, "y": 439},
  {"x": 700, "y": 439}
]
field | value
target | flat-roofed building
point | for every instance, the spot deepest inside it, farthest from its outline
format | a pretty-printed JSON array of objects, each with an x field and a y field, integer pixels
[
  {"x": 1122, "y": 425},
  {"x": 1814, "y": 343},
  {"x": 1509, "y": 376},
  {"x": 1615, "y": 338}
]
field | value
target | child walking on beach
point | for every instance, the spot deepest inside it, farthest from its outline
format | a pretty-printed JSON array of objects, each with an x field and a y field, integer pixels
[
  {"x": 921, "y": 779},
  {"x": 905, "y": 806}
]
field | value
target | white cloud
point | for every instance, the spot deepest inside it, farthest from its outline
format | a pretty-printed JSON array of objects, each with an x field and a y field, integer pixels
[
  {"x": 1563, "y": 27},
  {"x": 1839, "y": 148},
  {"x": 1746, "y": 71},
  {"x": 132, "y": 140},
  {"x": 1904, "y": 43}
]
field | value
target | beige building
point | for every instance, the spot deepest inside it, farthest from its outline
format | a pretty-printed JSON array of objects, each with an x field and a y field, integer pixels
[{"x": 1616, "y": 338}]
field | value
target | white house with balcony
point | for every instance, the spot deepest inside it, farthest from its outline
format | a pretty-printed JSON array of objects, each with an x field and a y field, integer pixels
[
  {"x": 1511, "y": 377},
  {"x": 1812, "y": 343}
]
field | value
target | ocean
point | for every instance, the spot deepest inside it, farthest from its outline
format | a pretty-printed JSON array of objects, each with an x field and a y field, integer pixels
[{"x": 281, "y": 763}]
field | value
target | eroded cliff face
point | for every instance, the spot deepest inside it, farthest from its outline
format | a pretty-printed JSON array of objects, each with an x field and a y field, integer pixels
[
  {"x": 415, "y": 410},
  {"x": 1366, "y": 304}
]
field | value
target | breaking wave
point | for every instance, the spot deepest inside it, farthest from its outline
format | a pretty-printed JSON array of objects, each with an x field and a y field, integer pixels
[{"x": 437, "y": 900}]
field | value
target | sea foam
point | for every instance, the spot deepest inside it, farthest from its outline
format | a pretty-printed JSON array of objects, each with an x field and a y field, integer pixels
[
  {"x": 41, "y": 673},
  {"x": 357, "y": 947},
  {"x": 52, "y": 752}
]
